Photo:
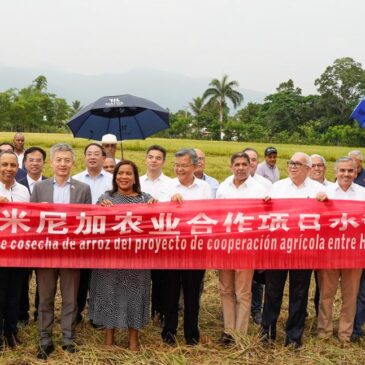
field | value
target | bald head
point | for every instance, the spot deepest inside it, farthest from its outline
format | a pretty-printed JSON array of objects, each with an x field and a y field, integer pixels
[{"x": 199, "y": 171}]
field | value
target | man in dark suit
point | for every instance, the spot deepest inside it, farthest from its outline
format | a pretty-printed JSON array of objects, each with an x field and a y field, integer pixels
[
  {"x": 61, "y": 189},
  {"x": 33, "y": 161}
]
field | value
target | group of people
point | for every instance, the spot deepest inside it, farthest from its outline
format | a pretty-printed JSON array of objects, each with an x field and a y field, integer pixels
[{"x": 122, "y": 298}]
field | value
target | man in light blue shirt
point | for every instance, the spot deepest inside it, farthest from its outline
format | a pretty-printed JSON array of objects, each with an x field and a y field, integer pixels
[
  {"x": 199, "y": 172},
  {"x": 99, "y": 181}
]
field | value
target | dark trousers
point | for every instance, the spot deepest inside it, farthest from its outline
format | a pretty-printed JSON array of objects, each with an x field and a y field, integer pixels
[
  {"x": 257, "y": 295},
  {"x": 299, "y": 281},
  {"x": 11, "y": 281},
  {"x": 190, "y": 280},
  {"x": 158, "y": 278},
  {"x": 24, "y": 298},
  {"x": 85, "y": 275},
  {"x": 360, "y": 308}
]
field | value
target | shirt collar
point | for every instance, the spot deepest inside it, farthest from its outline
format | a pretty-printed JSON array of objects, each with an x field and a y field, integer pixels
[
  {"x": 187, "y": 187},
  {"x": 351, "y": 187},
  {"x": 67, "y": 182},
  {"x": 11, "y": 187}
]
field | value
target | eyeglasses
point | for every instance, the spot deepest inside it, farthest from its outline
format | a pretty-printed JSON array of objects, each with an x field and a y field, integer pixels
[
  {"x": 184, "y": 166},
  {"x": 319, "y": 165},
  {"x": 294, "y": 164},
  {"x": 201, "y": 158},
  {"x": 109, "y": 145}
]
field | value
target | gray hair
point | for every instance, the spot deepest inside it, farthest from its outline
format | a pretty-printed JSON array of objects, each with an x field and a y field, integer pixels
[
  {"x": 251, "y": 149},
  {"x": 320, "y": 157},
  {"x": 188, "y": 152},
  {"x": 64, "y": 147},
  {"x": 344, "y": 159},
  {"x": 308, "y": 160},
  {"x": 356, "y": 153}
]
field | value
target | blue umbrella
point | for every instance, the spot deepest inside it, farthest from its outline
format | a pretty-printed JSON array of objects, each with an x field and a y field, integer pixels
[
  {"x": 125, "y": 116},
  {"x": 359, "y": 113}
]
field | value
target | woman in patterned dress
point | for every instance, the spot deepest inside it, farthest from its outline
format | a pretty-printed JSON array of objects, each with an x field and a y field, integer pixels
[{"x": 121, "y": 298}]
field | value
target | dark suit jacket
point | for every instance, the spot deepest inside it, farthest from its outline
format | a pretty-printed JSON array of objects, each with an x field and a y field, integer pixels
[
  {"x": 21, "y": 174},
  {"x": 24, "y": 181},
  {"x": 80, "y": 193}
]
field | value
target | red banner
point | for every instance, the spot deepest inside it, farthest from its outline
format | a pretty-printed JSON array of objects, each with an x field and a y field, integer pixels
[{"x": 211, "y": 234}]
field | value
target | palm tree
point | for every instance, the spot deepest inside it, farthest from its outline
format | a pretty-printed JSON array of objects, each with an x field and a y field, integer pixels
[
  {"x": 197, "y": 105},
  {"x": 76, "y": 106},
  {"x": 219, "y": 92}
]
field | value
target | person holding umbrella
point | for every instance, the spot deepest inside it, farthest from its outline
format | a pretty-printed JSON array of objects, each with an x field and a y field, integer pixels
[{"x": 109, "y": 144}]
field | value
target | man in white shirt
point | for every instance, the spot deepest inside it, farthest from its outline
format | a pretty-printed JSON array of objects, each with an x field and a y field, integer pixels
[
  {"x": 200, "y": 174},
  {"x": 185, "y": 187},
  {"x": 99, "y": 181},
  {"x": 34, "y": 159},
  {"x": 345, "y": 189},
  {"x": 268, "y": 168},
  {"x": 18, "y": 142},
  {"x": 254, "y": 161},
  {"x": 155, "y": 183},
  {"x": 318, "y": 170},
  {"x": 11, "y": 279},
  {"x": 235, "y": 285},
  {"x": 297, "y": 185},
  {"x": 318, "y": 173},
  {"x": 4, "y": 146},
  {"x": 257, "y": 286}
]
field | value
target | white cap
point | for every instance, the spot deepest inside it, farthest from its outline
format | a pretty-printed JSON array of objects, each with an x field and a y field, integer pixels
[{"x": 109, "y": 138}]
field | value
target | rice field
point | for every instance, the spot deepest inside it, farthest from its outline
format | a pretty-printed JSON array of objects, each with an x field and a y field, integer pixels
[{"x": 247, "y": 350}]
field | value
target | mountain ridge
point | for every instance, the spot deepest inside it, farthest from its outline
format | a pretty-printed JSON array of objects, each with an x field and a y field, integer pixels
[{"x": 151, "y": 84}]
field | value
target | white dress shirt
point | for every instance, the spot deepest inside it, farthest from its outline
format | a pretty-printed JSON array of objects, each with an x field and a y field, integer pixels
[
  {"x": 287, "y": 189},
  {"x": 354, "y": 192},
  {"x": 17, "y": 192},
  {"x": 248, "y": 189},
  {"x": 159, "y": 188},
  {"x": 98, "y": 184},
  {"x": 263, "y": 181},
  {"x": 31, "y": 182},
  {"x": 199, "y": 189}
]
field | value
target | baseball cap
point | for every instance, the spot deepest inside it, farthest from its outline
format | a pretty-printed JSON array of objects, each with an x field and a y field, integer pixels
[
  {"x": 270, "y": 150},
  {"x": 109, "y": 138}
]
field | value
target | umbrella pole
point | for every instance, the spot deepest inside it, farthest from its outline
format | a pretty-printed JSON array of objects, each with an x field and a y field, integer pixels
[{"x": 120, "y": 133}]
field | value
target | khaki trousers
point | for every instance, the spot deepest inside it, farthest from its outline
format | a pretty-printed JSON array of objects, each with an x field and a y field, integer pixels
[
  {"x": 47, "y": 286},
  {"x": 328, "y": 283},
  {"x": 235, "y": 290}
]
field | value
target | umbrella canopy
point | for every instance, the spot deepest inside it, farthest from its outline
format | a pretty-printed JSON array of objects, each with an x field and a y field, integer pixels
[
  {"x": 125, "y": 116},
  {"x": 359, "y": 113}
]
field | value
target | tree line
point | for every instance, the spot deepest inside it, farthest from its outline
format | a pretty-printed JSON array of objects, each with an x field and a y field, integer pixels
[{"x": 286, "y": 116}]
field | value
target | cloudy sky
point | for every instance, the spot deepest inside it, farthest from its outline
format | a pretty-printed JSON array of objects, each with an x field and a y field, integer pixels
[{"x": 259, "y": 43}]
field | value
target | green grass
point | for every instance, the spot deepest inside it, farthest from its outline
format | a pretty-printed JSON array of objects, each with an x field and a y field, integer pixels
[
  {"x": 248, "y": 350},
  {"x": 217, "y": 153}
]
